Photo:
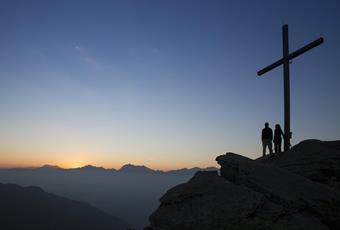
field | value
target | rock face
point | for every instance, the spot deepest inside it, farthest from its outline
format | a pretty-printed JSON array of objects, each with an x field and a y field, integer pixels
[{"x": 281, "y": 192}]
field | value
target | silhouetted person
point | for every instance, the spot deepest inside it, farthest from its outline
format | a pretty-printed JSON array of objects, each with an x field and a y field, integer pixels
[
  {"x": 267, "y": 138},
  {"x": 277, "y": 138}
]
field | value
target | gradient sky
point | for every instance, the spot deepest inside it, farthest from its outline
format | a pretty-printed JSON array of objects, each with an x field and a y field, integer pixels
[{"x": 166, "y": 84}]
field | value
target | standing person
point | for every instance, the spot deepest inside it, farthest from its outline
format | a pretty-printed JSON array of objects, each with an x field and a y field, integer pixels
[
  {"x": 267, "y": 138},
  {"x": 277, "y": 138}
]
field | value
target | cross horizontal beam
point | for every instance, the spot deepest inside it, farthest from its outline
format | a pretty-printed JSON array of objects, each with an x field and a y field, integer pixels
[{"x": 291, "y": 56}]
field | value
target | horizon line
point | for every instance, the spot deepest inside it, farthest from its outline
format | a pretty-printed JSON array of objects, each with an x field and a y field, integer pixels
[{"x": 90, "y": 165}]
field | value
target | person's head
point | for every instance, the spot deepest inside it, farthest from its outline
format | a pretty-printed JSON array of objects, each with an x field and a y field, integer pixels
[
  {"x": 277, "y": 126},
  {"x": 266, "y": 124}
]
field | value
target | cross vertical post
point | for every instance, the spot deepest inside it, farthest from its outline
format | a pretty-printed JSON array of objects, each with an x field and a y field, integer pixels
[{"x": 286, "y": 89}]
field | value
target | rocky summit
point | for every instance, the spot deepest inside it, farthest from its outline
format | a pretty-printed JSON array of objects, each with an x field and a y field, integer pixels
[{"x": 298, "y": 189}]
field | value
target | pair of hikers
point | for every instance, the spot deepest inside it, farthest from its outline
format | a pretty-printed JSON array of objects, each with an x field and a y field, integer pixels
[{"x": 267, "y": 138}]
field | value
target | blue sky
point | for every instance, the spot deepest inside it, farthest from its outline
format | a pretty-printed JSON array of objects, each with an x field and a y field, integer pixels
[{"x": 163, "y": 83}]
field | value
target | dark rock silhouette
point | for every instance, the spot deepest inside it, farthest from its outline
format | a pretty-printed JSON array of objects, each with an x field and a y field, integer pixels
[
  {"x": 281, "y": 192},
  {"x": 32, "y": 208}
]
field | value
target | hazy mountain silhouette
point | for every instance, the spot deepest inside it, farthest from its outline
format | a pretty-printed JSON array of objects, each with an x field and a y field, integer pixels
[
  {"x": 129, "y": 168},
  {"x": 32, "y": 208},
  {"x": 130, "y": 193},
  {"x": 50, "y": 167},
  {"x": 125, "y": 168},
  {"x": 89, "y": 168}
]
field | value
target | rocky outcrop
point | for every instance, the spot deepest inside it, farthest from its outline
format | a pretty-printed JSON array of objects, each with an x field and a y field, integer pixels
[
  {"x": 250, "y": 194},
  {"x": 314, "y": 159}
]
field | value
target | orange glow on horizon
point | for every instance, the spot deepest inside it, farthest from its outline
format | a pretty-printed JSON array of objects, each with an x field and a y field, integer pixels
[
  {"x": 79, "y": 164},
  {"x": 80, "y": 158}
]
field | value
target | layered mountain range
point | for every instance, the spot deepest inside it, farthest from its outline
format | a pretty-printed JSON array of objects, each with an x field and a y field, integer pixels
[
  {"x": 127, "y": 168},
  {"x": 130, "y": 193}
]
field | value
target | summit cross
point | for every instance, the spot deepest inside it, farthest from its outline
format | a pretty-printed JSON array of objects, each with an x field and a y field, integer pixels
[{"x": 286, "y": 83}]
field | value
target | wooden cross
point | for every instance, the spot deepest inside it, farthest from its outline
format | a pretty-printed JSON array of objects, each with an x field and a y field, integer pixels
[{"x": 285, "y": 62}]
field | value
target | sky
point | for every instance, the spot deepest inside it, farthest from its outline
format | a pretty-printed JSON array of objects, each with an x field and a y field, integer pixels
[{"x": 166, "y": 84}]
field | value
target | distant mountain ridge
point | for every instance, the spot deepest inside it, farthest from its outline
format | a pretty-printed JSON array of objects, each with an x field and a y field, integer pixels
[
  {"x": 127, "y": 168},
  {"x": 130, "y": 168},
  {"x": 47, "y": 166}
]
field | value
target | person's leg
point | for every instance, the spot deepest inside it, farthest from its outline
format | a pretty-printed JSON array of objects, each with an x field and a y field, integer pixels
[
  {"x": 264, "y": 147},
  {"x": 279, "y": 146},
  {"x": 270, "y": 146},
  {"x": 275, "y": 147}
]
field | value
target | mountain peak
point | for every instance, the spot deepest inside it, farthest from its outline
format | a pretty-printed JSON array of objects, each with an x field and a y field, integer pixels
[
  {"x": 135, "y": 168},
  {"x": 47, "y": 166},
  {"x": 91, "y": 167}
]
